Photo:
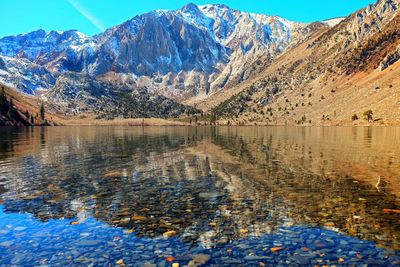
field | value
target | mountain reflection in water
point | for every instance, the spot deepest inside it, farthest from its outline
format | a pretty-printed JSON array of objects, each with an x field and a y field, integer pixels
[{"x": 208, "y": 187}]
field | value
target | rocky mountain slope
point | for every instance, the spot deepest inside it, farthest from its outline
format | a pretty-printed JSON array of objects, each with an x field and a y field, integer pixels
[
  {"x": 25, "y": 75},
  {"x": 336, "y": 77},
  {"x": 193, "y": 51},
  {"x": 19, "y": 110},
  {"x": 9, "y": 115},
  {"x": 109, "y": 99}
]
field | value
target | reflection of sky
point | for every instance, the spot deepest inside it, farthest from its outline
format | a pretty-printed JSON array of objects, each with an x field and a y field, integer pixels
[{"x": 26, "y": 241}]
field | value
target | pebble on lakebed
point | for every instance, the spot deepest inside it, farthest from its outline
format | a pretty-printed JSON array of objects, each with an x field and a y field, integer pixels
[
  {"x": 199, "y": 259},
  {"x": 169, "y": 234}
]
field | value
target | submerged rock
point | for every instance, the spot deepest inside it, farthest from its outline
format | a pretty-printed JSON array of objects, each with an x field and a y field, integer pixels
[
  {"x": 209, "y": 195},
  {"x": 199, "y": 259},
  {"x": 170, "y": 234},
  {"x": 6, "y": 244},
  {"x": 89, "y": 242}
]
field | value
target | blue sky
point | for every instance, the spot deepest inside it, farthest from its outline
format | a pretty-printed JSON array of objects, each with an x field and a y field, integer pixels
[{"x": 92, "y": 16}]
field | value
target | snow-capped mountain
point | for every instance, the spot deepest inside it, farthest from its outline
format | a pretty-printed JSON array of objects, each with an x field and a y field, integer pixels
[
  {"x": 193, "y": 51},
  {"x": 38, "y": 43},
  {"x": 25, "y": 75}
]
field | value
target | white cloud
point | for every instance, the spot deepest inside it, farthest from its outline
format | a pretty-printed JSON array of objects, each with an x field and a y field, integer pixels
[{"x": 89, "y": 16}]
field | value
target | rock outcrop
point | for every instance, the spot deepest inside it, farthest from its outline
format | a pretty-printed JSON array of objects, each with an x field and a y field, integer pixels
[{"x": 390, "y": 59}]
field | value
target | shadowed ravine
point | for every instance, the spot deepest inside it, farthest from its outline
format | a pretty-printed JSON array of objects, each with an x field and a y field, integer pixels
[{"x": 223, "y": 196}]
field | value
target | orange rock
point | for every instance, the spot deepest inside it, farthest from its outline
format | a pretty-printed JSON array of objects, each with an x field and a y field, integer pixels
[
  {"x": 120, "y": 262},
  {"x": 352, "y": 232},
  {"x": 139, "y": 218},
  {"x": 169, "y": 234},
  {"x": 391, "y": 211},
  {"x": 329, "y": 224},
  {"x": 170, "y": 259},
  {"x": 243, "y": 231},
  {"x": 276, "y": 249},
  {"x": 341, "y": 260},
  {"x": 75, "y": 223},
  {"x": 113, "y": 174},
  {"x": 262, "y": 264},
  {"x": 144, "y": 210}
]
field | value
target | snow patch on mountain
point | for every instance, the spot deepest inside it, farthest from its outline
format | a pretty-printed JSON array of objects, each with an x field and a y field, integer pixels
[
  {"x": 25, "y": 75},
  {"x": 34, "y": 44},
  {"x": 333, "y": 22}
]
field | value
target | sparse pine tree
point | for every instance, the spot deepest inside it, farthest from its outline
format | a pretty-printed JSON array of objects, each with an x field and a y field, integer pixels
[
  {"x": 368, "y": 115},
  {"x": 2, "y": 98},
  {"x": 42, "y": 112},
  {"x": 213, "y": 118},
  {"x": 10, "y": 107}
]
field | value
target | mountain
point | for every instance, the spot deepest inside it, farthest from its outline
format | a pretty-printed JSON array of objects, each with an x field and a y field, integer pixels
[
  {"x": 193, "y": 51},
  {"x": 336, "y": 77}
]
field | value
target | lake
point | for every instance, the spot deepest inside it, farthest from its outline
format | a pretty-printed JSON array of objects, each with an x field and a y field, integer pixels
[{"x": 200, "y": 196}]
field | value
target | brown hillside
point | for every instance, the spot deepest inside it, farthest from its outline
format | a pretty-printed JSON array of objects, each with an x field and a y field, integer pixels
[{"x": 346, "y": 70}]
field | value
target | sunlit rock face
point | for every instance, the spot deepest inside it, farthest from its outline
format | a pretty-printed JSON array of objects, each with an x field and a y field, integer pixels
[{"x": 188, "y": 52}]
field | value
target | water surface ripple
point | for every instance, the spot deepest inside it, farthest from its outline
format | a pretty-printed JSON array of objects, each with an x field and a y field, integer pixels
[{"x": 155, "y": 196}]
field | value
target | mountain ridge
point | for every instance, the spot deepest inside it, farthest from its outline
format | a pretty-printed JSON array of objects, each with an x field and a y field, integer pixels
[{"x": 212, "y": 29}]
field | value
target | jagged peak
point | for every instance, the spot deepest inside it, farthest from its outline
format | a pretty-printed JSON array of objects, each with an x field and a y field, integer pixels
[
  {"x": 189, "y": 7},
  {"x": 192, "y": 9},
  {"x": 216, "y": 6},
  {"x": 40, "y": 33}
]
